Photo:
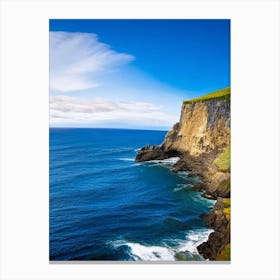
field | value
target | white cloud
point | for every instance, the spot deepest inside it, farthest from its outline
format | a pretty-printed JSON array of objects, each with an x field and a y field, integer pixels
[
  {"x": 92, "y": 112},
  {"x": 77, "y": 59}
]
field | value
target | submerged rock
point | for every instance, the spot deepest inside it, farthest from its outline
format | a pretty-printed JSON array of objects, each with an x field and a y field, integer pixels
[{"x": 187, "y": 256}]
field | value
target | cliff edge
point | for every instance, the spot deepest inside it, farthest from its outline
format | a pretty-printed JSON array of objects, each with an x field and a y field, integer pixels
[{"x": 202, "y": 141}]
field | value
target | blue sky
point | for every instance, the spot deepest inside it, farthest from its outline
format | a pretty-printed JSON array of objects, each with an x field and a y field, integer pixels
[{"x": 133, "y": 73}]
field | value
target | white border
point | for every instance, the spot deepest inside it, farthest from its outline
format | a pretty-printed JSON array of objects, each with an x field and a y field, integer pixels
[{"x": 24, "y": 138}]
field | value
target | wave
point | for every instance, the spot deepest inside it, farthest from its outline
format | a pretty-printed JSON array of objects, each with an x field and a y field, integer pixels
[
  {"x": 171, "y": 160},
  {"x": 65, "y": 148},
  {"x": 120, "y": 150},
  {"x": 150, "y": 253},
  {"x": 140, "y": 252},
  {"x": 181, "y": 187},
  {"x": 127, "y": 159},
  {"x": 193, "y": 239},
  {"x": 161, "y": 162},
  {"x": 168, "y": 161}
]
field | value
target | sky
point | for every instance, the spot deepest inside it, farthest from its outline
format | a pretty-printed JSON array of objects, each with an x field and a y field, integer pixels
[{"x": 133, "y": 73}]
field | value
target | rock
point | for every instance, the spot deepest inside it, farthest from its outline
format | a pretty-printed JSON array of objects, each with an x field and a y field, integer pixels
[
  {"x": 203, "y": 127},
  {"x": 187, "y": 256},
  {"x": 208, "y": 196},
  {"x": 218, "y": 239},
  {"x": 155, "y": 152},
  {"x": 201, "y": 135},
  {"x": 198, "y": 187}
]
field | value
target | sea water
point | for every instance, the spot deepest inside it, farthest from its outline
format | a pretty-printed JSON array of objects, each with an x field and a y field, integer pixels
[{"x": 105, "y": 206}]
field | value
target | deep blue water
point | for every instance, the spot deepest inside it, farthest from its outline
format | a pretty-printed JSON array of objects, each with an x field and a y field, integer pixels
[{"x": 105, "y": 206}]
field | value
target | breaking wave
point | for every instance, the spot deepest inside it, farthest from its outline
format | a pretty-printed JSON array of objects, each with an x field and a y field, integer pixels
[
  {"x": 127, "y": 159},
  {"x": 140, "y": 252},
  {"x": 171, "y": 160}
]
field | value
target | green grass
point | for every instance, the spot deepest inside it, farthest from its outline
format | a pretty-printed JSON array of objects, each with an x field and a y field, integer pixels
[
  {"x": 226, "y": 202},
  {"x": 224, "y": 254},
  {"x": 226, "y": 209},
  {"x": 223, "y": 160},
  {"x": 218, "y": 95},
  {"x": 224, "y": 186}
]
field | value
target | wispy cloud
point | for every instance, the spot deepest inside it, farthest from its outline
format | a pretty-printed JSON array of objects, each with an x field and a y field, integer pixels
[
  {"x": 91, "y": 85},
  {"x": 77, "y": 60},
  {"x": 98, "y": 111}
]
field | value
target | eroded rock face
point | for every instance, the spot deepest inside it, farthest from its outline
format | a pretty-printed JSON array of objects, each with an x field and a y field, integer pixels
[
  {"x": 220, "y": 237},
  {"x": 214, "y": 183},
  {"x": 203, "y": 127},
  {"x": 202, "y": 133},
  {"x": 154, "y": 152},
  {"x": 218, "y": 182}
]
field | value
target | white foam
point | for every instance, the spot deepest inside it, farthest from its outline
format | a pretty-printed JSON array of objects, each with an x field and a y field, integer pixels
[
  {"x": 181, "y": 187},
  {"x": 141, "y": 252},
  {"x": 168, "y": 162},
  {"x": 193, "y": 239},
  {"x": 171, "y": 160},
  {"x": 151, "y": 253},
  {"x": 135, "y": 164},
  {"x": 117, "y": 243},
  {"x": 127, "y": 159}
]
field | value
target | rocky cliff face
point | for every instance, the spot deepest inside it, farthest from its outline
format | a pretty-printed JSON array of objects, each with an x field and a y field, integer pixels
[
  {"x": 203, "y": 127},
  {"x": 199, "y": 139},
  {"x": 216, "y": 247}
]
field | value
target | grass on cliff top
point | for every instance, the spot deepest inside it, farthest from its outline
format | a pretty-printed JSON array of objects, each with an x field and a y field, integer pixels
[
  {"x": 223, "y": 160},
  {"x": 218, "y": 95}
]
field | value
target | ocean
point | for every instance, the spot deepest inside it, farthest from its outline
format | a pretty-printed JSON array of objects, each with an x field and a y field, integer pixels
[{"x": 105, "y": 206}]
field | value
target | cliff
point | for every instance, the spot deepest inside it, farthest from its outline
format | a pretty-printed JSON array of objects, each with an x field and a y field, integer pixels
[
  {"x": 203, "y": 127},
  {"x": 202, "y": 141}
]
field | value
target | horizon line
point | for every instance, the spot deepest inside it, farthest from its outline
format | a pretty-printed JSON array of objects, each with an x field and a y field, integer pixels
[{"x": 115, "y": 128}]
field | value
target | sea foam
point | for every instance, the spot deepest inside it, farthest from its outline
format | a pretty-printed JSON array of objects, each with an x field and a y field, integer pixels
[
  {"x": 180, "y": 187},
  {"x": 127, "y": 159},
  {"x": 193, "y": 239},
  {"x": 171, "y": 160},
  {"x": 140, "y": 252},
  {"x": 150, "y": 253}
]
